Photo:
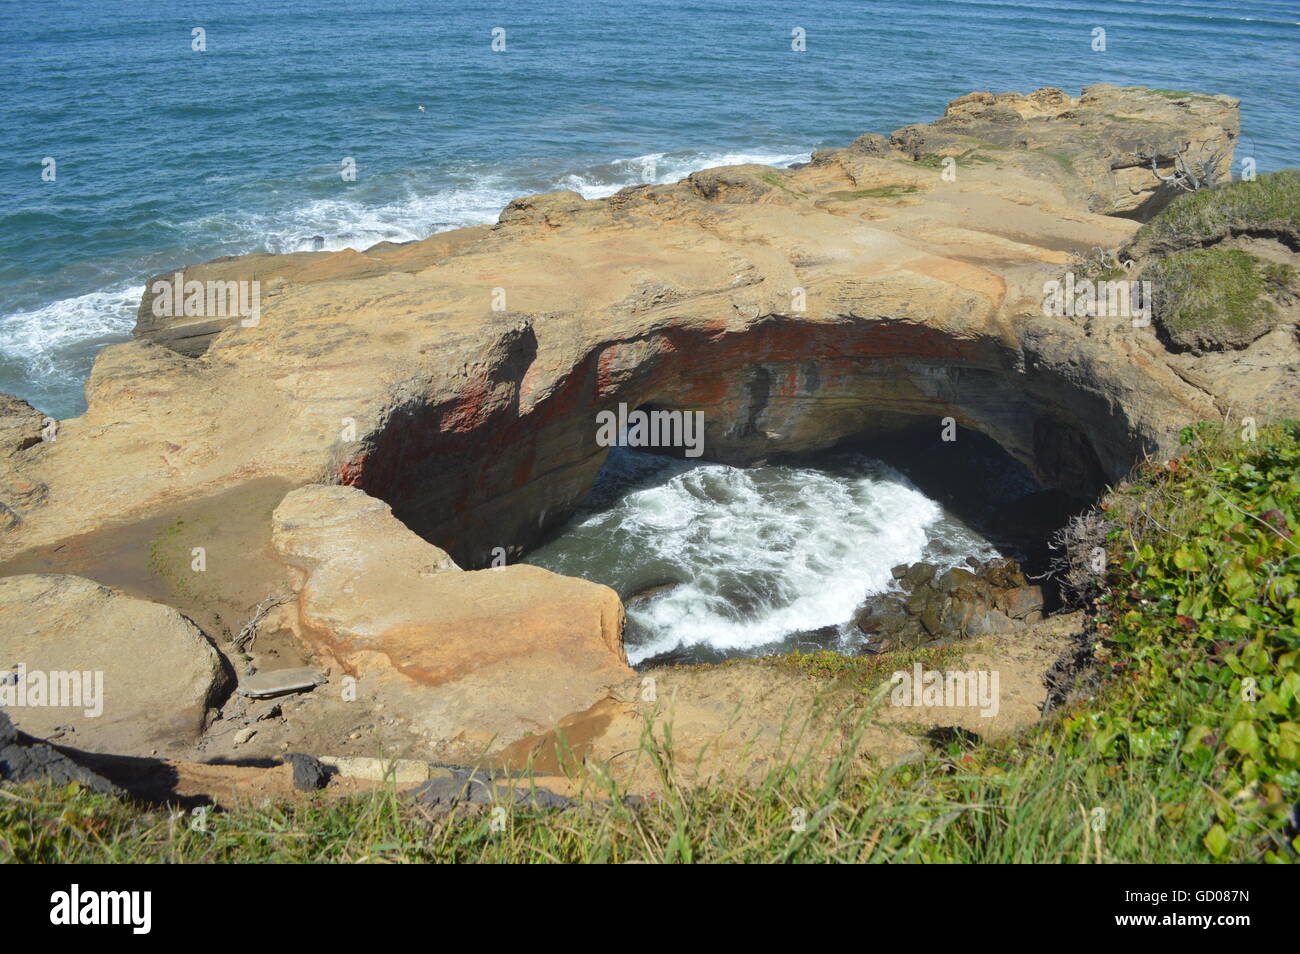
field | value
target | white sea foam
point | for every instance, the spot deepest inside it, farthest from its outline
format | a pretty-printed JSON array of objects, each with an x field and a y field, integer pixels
[
  {"x": 352, "y": 223},
  {"x": 661, "y": 167},
  {"x": 52, "y": 340},
  {"x": 767, "y": 552},
  {"x": 348, "y": 223}
]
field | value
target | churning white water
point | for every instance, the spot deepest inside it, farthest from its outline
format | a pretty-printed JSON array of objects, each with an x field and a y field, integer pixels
[{"x": 720, "y": 561}]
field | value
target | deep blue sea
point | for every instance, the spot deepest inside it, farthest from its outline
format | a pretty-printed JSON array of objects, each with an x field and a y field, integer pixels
[{"x": 166, "y": 155}]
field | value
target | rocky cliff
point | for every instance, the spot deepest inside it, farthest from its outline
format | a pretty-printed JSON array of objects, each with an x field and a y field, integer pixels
[{"x": 892, "y": 284}]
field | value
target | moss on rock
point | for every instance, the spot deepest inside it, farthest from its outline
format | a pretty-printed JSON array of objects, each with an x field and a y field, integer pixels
[{"x": 1215, "y": 299}]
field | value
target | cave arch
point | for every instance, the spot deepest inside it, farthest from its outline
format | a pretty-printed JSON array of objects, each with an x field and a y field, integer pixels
[{"x": 504, "y": 476}]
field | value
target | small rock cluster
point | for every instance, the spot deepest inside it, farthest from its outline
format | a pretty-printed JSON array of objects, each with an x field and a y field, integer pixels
[
  {"x": 931, "y": 604},
  {"x": 477, "y": 787}
]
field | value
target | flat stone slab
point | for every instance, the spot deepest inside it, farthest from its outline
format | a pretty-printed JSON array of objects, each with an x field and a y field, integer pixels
[
  {"x": 279, "y": 682},
  {"x": 378, "y": 770}
]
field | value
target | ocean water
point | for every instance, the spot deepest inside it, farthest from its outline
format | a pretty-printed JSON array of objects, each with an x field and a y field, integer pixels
[
  {"x": 166, "y": 156},
  {"x": 715, "y": 562}
]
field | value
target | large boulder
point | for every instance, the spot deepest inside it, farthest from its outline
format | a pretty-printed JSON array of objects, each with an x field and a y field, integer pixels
[
  {"x": 469, "y": 657},
  {"x": 102, "y": 671},
  {"x": 988, "y": 599}
]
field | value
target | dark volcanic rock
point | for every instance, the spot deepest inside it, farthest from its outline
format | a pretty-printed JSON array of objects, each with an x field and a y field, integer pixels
[
  {"x": 478, "y": 788},
  {"x": 23, "y": 759},
  {"x": 1022, "y": 602},
  {"x": 990, "y": 598},
  {"x": 309, "y": 773},
  {"x": 917, "y": 574}
]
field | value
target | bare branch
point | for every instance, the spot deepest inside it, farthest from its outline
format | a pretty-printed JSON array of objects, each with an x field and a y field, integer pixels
[{"x": 1191, "y": 173}]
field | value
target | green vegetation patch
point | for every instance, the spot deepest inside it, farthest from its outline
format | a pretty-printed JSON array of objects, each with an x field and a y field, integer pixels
[
  {"x": 169, "y": 558},
  {"x": 775, "y": 179},
  {"x": 1064, "y": 161},
  {"x": 1201, "y": 629},
  {"x": 866, "y": 673},
  {"x": 1214, "y": 299},
  {"x": 1178, "y": 94},
  {"x": 1270, "y": 203},
  {"x": 932, "y": 160}
]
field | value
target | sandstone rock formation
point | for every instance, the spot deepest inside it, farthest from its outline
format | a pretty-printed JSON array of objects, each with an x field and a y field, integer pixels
[
  {"x": 138, "y": 675},
  {"x": 469, "y": 656},
  {"x": 21, "y": 428},
  {"x": 855, "y": 296},
  {"x": 879, "y": 288},
  {"x": 1111, "y": 139}
]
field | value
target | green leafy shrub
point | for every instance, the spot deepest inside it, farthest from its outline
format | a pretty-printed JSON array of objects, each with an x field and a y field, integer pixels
[{"x": 1201, "y": 627}]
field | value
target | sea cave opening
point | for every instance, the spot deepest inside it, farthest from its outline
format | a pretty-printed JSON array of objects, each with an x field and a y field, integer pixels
[{"x": 715, "y": 562}]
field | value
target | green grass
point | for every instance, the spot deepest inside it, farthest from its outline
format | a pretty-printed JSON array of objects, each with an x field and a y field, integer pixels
[
  {"x": 775, "y": 179},
  {"x": 1017, "y": 804},
  {"x": 1189, "y": 751},
  {"x": 1216, "y": 298},
  {"x": 1270, "y": 203},
  {"x": 1012, "y": 803}
]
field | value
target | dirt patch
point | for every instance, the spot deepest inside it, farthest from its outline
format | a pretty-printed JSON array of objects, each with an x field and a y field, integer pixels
[
  {"x": 743, "y": 719},
  {"x": 229, "y": 785}
]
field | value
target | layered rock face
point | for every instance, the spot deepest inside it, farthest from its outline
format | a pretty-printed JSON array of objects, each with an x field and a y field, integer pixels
[{"x": 458, "y": 378}]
